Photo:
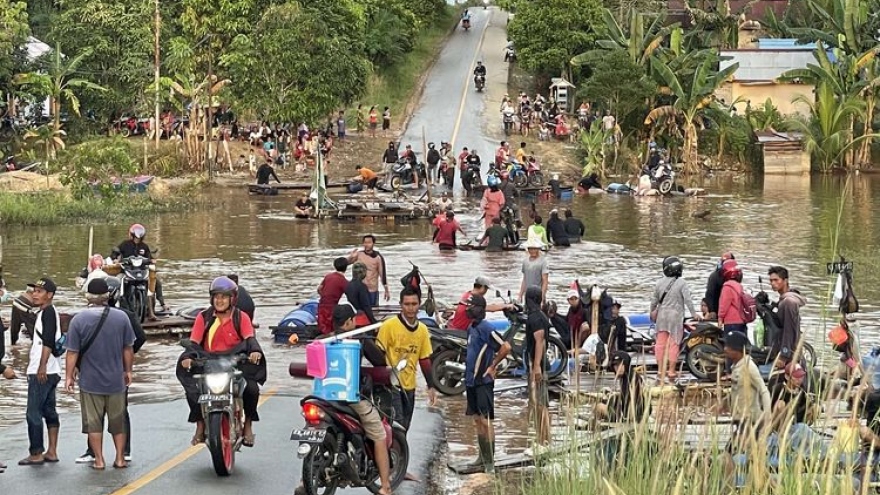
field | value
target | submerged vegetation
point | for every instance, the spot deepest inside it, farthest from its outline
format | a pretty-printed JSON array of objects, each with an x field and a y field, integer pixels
[{"x": 52, "y": 208}]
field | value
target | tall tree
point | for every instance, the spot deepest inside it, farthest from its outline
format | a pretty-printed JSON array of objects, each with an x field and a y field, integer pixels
[
  {"x": 14, "y": 31},
  {"x": 57, "y": 79},
  {"x": 548, "y": 33},
  {"x": 327, "y": 71}
]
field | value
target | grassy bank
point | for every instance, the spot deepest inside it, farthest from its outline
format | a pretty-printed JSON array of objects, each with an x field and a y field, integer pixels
[
  {"x": 394, "y": 86},
  {"x": 52, "y": 208}
]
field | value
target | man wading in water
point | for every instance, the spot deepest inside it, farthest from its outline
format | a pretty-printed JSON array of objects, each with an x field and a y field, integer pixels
[{"x": 375, "y": 268}]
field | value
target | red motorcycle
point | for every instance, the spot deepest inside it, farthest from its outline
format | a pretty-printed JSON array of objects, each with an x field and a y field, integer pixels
[
  {"x": 335, "y": 450},
  {"x": 528, "y": 174}
]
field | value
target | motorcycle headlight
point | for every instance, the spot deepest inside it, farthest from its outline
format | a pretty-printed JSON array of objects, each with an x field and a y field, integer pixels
[
  {"x": 137, "y": 262},
  {"x": 217, "y": 383}
]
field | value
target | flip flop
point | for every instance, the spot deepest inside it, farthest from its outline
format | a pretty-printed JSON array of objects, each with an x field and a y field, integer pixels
[
  {"x": 120, "y": 466},
  {"x": 29, "y": 462},
  {"x": 248, "y": 440},
  {"x": 50, "y": 460},
  {"x": 98, "y": 468}
]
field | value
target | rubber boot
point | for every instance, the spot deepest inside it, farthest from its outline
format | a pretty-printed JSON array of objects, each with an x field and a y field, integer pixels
[{"x": 487, "y": 454}]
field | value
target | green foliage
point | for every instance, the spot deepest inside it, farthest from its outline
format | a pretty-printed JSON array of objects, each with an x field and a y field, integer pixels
[
  {"x": 548, "y": 33},
  {"x": 642, "y": 40},
  {"x": 52, "y": 208},
  {"x": 592, "y": 144},
  {"x": 604, "y": 85},
  {"x": 119, "y": 34},
  {"x": 304, "y": 84},
  {"x": 97, "y": 161}
]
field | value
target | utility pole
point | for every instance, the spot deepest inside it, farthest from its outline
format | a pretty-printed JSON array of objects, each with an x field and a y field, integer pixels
[{"x": 158, "y": 129}]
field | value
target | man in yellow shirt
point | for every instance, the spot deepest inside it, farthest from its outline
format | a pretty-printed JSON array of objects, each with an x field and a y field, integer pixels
[
  {"x": 521, "y": 153},
  {"x": 404, "y": 337}
]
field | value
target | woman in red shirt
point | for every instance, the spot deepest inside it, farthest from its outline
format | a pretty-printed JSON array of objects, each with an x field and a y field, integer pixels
[
  {"x": 730, "y": 307},
  {"x": 214, "y": 330}
]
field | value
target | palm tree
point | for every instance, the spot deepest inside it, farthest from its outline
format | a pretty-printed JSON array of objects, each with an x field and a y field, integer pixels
[
  {"x": 58, "y": 81},
  {"x": 641, "y": 42},
  {"x": 691, "y": 98},
  {"x": 828, "y": 134}
]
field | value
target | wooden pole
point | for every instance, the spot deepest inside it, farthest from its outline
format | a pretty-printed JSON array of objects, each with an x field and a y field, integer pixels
[
  {"x": 91, "y": 243},
  {"x": 351, "y": 333},
  {"x": 208, "y": 117},
  {"x": 158, "y": 127}
]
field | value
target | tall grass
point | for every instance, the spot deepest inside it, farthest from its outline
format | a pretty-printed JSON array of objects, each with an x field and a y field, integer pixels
[{"x": 52, "y": 208}]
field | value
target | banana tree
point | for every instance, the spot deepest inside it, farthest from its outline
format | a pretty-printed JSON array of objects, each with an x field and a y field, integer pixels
[
  {"x": 58, "y": 82},
  {"x": 717, "y": 27},
  {"x": 194, "y": 95},
  {"x": 691, "y": 98},
  {"x": 641, "y": 42},
  {"x": 51, "y": 140},
  {"x": 828, "y": 134}
]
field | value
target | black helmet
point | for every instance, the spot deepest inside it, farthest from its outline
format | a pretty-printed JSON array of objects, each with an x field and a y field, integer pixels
[
  {"x": 672, "y": 266},
  {"x": 431, "y": 145},
  {"x": 114, "y": 285}
]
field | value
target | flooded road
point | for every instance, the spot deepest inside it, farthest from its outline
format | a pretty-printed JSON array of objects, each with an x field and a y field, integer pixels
[{"x": 281, "y": 261}]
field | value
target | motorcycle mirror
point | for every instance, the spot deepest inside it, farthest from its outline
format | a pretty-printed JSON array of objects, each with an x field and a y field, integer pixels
[
  {"x": 497, "y": 293},
  {"x": 401, "y": 365},
  {"x": 508, "y": 294}
]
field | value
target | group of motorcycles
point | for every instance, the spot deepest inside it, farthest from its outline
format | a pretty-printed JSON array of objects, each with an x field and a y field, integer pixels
[{"x": 521, "y": 174}]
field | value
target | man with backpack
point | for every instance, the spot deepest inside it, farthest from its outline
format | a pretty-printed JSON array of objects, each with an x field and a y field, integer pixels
[
  {"x": 714, "y": 285},
  {"x": 43, "y": 375}
]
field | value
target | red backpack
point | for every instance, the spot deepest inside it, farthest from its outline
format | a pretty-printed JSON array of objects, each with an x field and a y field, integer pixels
[{"x": 749, "y": 307}]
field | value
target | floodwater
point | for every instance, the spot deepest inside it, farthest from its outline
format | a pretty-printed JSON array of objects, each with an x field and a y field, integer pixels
[{"x": 787, "y": 221}]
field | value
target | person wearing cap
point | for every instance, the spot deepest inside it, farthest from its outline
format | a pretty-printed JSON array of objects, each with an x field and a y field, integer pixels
[
  {"x": 43, "y": 375},
  {"x": 344, "y": 321},
  {"x": 485, "y": 349},
  {"x": 714, "y": 286},
  {"x": 331, "y": 290},
  {"x": 630, "y": 404},
  {"x": 100, "y": 355},
  {"x": 444, "y": 202},
  {"x": 556, "y": 230},
  {"x": 750, "y": 405},
  {"x": 460, "y": 320},
  {"x": 444, "y": 235},
  {"x": 535, "y": 269}
]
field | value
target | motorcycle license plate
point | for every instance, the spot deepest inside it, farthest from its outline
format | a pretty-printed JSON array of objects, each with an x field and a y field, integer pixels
[
  {"x": 695, "y": 342},
  {"x": 212, "y": 398},
  {"x": 308, "y": 436}
]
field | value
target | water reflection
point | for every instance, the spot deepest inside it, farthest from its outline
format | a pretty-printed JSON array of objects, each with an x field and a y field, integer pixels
[{"x": 281, "y": 260}]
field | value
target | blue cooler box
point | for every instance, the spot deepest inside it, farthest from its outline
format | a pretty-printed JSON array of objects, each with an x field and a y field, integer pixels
[{"x": 343, "y": 378}]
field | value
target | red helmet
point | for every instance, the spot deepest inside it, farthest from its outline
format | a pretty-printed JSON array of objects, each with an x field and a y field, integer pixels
[
  {"x": 137, "y": 230},
  {"x": 731, "y": 271}
]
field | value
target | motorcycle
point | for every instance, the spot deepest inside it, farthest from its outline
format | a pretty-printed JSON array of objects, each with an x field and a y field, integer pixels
[
  {"x": 448, "y": 360},
  {"x": 335, "y": 450},
  {"x": 663, "y": 178},
  {"x": 514, "y": 364},
  {"x": 402, "y": 173},
  {"x": 221, "y": 388},
  {"x": 135, "y": 276},
  {"x": 472, "y": 175},
  {"x": 508, "y": 120},
  {"x": 466, "y": 24},
  {"x": 528, "y": 174},
  {"x": 510, "y": 53},
  {"x": 479, "y": 82}
]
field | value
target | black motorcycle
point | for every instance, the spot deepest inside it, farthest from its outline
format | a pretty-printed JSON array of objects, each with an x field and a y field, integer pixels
[
  {"x": 472, "y": 175},
  {"x": 447, "y": 361},
  {"x": 508, "y": 121},
  {"x": 479, "y": 82},
  {"x": 407, "y": 172},
  {"x": 135, "y": 277},
  {"x": 221, "y": 388},
  {"x": 335, "y": 450}
]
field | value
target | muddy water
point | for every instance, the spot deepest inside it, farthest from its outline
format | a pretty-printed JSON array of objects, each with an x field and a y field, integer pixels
[{"x": 281, "y": 261}]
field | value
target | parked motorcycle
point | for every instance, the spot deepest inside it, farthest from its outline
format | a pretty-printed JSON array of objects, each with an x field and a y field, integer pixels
[
  {"x": 402, "y": 173},
  {"x": 508, "y": 119},
  {"x": 530, "y": 173},
  {"x": 447, "y": 362},
  {"x": 510, "y": 53},
  {"x": 556, "y": 355},
  {"x": 221, "y": 388},
  {"x": 479, "y": 82},
  {"x": 663, "y": 178},
  {"x": 335, "y": 450},
  {"x": 135, "y": 276},
  {"x": 473, "y": 175}
]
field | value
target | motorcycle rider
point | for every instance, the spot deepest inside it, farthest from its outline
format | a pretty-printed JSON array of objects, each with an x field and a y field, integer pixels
[
  {"x": 135, "y": 246},
  {"x": 474, "y": 164},
  {"x": 461, "y": 320},
  {"x": 507, "y": 116},
  {"x": 479, "y": 72},
  {"x": 485, "y": 349},
  {"x": 714, "y": 285},
  {"x": 493, "y": 200},
  {"x": 409, "y": 156},
  {"x": 222, "y": 329},
  {"x": 343, "y": 321}
]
